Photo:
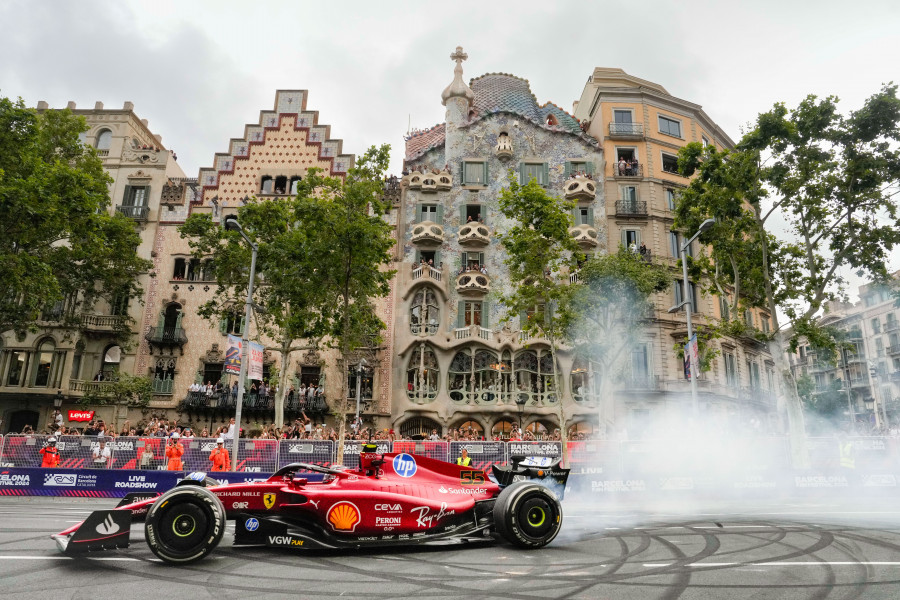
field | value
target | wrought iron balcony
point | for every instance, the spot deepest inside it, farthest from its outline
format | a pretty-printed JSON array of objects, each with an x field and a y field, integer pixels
[
  {"x": 637, "y": 208},
  {"x": 626, "y": 130},
  {"x": 138, "y": 213},
  {"x": 895, "y": 349},
  {"x": 892, "y": 326},
  {"x": 627, "y": 171},
  {"x": 166, "y": 336}
]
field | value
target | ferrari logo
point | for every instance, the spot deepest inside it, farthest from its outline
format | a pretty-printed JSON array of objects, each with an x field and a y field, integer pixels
[{"x": 269, "y": 500}]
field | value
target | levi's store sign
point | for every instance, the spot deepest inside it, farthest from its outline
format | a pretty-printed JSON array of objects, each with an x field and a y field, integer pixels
[{"x": 81, "y": 415}]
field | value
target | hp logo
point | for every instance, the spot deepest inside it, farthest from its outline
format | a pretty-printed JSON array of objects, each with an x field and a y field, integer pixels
[
  {"x": 405, "y": 465},
  {"x": 251, "y": 524}
]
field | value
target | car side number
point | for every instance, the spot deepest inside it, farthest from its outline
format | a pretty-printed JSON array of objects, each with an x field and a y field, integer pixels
[{"x": 471, "y": 478}]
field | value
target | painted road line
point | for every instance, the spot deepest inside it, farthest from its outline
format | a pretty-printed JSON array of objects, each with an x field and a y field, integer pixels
[{"x": 783, "y": 564}]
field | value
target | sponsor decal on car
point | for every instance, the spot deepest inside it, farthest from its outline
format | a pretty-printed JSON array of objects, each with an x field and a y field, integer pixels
[
  {"x": 427, "y": 518},
  {"x": 446, "y": 490},
  {"x": 471, "y": 478},
  {"x": 283, "y": 540},
  {"x": 60, "y": 479},
  {"x": 388, "y": 520},
  {"x": 108, "y": 526},
  {"x": 7, "y": 478},
  {"x": 239, "y": 505},
  {"x": 405, "y": 465},
  {"x": 269, "y": 500},
  {"x": 343, "y": 516},
  {"x": 251, "y": 524},
  {"x": 388, "y": 507}
]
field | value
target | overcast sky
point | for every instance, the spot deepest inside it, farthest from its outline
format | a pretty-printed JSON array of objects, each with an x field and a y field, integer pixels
[{"x": 198, "y": 71}]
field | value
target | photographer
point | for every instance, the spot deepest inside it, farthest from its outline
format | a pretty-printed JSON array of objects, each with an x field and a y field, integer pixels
[
  {"x": 50, "y": 454},
  {"x": 174, "y": 452}
]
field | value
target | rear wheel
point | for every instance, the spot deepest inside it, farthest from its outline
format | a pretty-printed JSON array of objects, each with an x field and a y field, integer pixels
[
  {"x": 185, "y": 524},
  {"x": 527, "y": 515}
]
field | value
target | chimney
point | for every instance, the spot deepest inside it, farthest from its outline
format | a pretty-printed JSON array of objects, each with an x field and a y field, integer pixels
[
  {"x": 128, "y": 106},
  {"x": 71, "y": 105},
  {"x": 146, "y": 123},
  {"x": 158, "y": 137},
  {"x": 42, "y": 105},
  {"x": 98, "y": 105}
]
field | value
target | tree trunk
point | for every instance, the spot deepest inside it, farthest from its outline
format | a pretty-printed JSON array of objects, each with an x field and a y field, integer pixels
[
  {"x": 341, "y": 409},
  {"x": 607, "y": 405},
  {"x": 285, "y": 352},
  {"x": 561, "y": 414}
]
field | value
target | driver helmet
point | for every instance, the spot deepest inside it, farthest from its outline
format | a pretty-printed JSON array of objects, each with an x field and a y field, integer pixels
[{"x": 52, "y": 440}]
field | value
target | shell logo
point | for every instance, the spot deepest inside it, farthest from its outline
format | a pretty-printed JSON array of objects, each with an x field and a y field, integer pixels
[{"x": 343, "y": 516}]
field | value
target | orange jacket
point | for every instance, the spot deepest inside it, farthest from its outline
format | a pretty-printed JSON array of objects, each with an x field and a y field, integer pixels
[
  {"x": 173, "y": 453},
  {"x": 220, "y": 459},
  {"x": 50, "y": 457}
]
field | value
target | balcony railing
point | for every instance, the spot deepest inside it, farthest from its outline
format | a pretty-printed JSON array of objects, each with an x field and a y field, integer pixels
[
  {"x": 642, "y": 382},
  {"x": 252, "y": 401},
  {"x": 627, "y": 170},
  {"x": 138, "y": 213},
  {"x": 626, "y": 130},
  {"x": 101, "y": 321},
  {"x": 891, "y": 326},
  {"x": 166, "y": 335},
  {"x": 895, "y": 349},
  {"x": 631, "y": 207},
  {"x": 102, "y": 153},
  {"x": 465, "y": 333},
  {"x": 420, "y": 271},
  {"x": 77, "y": 385}
]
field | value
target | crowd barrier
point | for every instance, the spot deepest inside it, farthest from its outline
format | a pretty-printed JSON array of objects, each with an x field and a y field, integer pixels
[{"x": 659, "y": 467}]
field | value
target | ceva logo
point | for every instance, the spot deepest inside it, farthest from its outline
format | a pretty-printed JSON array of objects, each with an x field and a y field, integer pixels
[{"x": 405, "y": 465}]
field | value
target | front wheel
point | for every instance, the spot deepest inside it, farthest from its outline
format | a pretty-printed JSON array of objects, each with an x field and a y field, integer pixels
[
  {"x": 185, "y": 524},
  {"x": 527, "y": 515}
]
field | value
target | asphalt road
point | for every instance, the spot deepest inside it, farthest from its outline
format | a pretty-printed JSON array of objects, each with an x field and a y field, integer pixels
[{"x": 823, "y": 549}]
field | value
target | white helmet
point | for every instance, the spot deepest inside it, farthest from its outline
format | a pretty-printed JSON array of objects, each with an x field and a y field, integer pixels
[
  {"x": 220, "y": 441},
  {"x": 52, "y": 440},
  {"x": 175, "y": 435}
]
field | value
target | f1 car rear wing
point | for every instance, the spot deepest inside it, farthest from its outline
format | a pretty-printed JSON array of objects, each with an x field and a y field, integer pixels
[{"x": 533, "y": 468}]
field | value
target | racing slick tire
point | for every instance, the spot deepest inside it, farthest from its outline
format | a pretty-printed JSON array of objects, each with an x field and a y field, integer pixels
[
  {"x": 527, "y": 515},
  {"x": 185, "y": 524}
]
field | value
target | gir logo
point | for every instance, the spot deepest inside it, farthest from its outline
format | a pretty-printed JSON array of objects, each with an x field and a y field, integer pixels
[
  {"x": 269, "y": 500},
  {"x": 405, "y": 465},
  {"x": 343, "y": 516}
]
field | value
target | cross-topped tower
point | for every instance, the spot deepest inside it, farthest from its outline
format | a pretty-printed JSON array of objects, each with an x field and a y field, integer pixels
[{"x": 458, "y": 88}]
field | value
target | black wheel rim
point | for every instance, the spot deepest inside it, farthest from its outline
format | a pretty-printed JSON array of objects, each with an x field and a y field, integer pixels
[
  {"x": 183, "y": 526},
  {"x": 536, "y": 517}
]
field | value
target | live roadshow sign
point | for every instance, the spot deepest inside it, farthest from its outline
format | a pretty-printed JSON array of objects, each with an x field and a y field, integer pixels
[{"x": 81, "y": 415}]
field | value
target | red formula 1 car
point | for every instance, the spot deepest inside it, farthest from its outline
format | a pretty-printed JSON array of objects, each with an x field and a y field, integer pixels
[{"x": 392, "y": 499}]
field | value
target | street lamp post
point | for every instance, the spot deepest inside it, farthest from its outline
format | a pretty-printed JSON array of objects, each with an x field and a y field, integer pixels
[
  {"x": 58, "y": 400},
  {"x": 232, "y": 225},
  {"x": 359, "y": 371},
  {"x": 521, "y": 399},
  {"x": 687, "y": 302}
]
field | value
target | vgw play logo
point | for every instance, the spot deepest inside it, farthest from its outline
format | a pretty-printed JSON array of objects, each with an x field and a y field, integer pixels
[{"x": 405, "y": 465}]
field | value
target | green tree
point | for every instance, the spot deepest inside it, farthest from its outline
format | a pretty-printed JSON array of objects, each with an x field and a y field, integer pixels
[
  {"x": 830, "y": 180},
  {"x": 58, "y": 243},
  {"x": 826, "y": 408},
  {"x": 124, "y": 389},
  {"x": 348, "y": 242},
  {"x": 539, "y": 249},
  {"x": 612, "y": 303},
  {"x": 287, "y": 295}
]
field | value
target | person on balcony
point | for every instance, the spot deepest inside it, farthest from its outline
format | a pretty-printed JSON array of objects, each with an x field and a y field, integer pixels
[{"x": 622, "y": 165}]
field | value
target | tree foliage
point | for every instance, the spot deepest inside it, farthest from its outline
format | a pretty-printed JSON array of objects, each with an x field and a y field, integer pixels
[
  {"x": 829, "y": 181},
  {"x": 124, "y": 389},
  {"x": 322, "y": 257},
  {"x": 58, "y": 242},
  {"x": 612, "y": 302},
  {"x": 539, "y": 249}
]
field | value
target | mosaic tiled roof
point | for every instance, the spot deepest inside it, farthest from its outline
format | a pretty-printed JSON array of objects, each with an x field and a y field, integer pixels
[
  {"x": 421, "y": 142},
  {"x": 501, "y": 92}
]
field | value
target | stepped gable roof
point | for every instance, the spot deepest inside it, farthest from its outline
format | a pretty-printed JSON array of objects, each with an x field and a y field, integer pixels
[
  {"x": 421, "y": 142},
  {"x": 502, "y": 92}
]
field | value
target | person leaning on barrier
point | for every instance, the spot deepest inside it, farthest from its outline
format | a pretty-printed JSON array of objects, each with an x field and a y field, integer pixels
[
  {"x": 146, "y": 457},
  {"x": 464, "y": 459},
  {"x": 219, "y": 456},
  {"x": 101, "y": 453},
  {"x": 50, "y": 454},
  {"x": 174, "y": 452}
]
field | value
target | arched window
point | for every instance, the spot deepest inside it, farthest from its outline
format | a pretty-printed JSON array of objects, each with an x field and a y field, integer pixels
[
  {"x": 266, "y": 185},
  {"x": 281, "y": 184},
  {"x": 418, "y": 428},
  {"x": 581, "y": 431},
  {"x": 424, "y": 313},
  {"x": 104, "y": 139},
  {"x": 43, "y": 364},
  {"x": 476, "y": 377},
  {"x": 112, "y": 357},
  {"x": 537, "y": 431},
  {"x": 470, "y": 430},
  {"x": 295, "y": 182},
  {"x": 422, "y": 375}
]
